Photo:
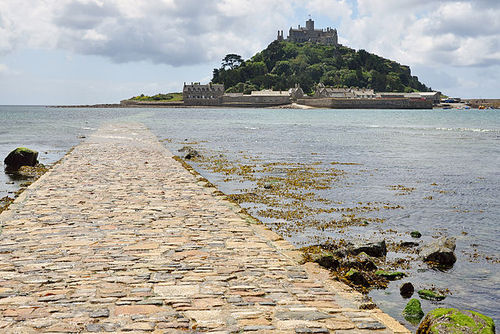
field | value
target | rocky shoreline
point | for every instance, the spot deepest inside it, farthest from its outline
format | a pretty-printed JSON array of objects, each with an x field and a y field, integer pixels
[{"x": 361, "y": 265}]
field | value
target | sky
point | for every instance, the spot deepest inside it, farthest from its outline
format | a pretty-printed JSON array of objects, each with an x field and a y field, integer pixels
[{"x": 103, "y": 51}]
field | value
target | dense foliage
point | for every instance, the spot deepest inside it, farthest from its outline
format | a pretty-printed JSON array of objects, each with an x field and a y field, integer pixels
[
  {"x": 159, "y": 97},
  {"x": 283, "y": 64}
]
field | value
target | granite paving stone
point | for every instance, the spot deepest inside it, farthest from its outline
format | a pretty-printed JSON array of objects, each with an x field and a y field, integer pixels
[{"x": 120, "y": 237}]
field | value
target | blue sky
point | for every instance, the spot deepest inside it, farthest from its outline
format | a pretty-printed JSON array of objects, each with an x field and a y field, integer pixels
[{"x": 102, "y": 51}]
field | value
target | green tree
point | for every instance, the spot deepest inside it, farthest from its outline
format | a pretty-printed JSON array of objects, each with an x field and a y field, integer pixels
[{"x": 231, "y": 61}]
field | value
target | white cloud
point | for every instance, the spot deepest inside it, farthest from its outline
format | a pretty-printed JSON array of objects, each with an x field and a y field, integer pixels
[
  {"x": 445, "y": 32},
  {"x": 332, "y": 9},
  {"x": 176, "y": 32}
]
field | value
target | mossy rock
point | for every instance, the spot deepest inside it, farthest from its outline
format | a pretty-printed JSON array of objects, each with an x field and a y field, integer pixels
[
  {"x": 415, "y": 234},
  {"x": 390, "y": 275},
  {"x": 430, "y": 295},
  {"x": 21, "y": 156},
  {"x": 450, "y": 320},
  {"x": 413, "y": 311}
]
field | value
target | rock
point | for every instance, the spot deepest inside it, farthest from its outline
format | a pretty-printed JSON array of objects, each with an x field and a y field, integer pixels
[
  {"x": 406, "y": 290},
  {"x": 430, "y": 295},
  {"x": 326, "y": 260},
  {"x": 408, "y": 244},
  {"x": 376, "y": 249},
  {"x": 440, "y": 252},
  {"x": 413, "y": 311},
  {"x": 450, "y": 320},
  {"x": 21, "y": 156},
  {"x": 189, "y": 153},
  {"x": 390, "y": 275},
  {"x": 356, "y": 277},
  {"x": 415, "y": 234},
  {"x": 362, "y": 262}
]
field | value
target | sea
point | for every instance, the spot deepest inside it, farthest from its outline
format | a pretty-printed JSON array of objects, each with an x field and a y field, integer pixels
[{"x": 440, "y": 169}]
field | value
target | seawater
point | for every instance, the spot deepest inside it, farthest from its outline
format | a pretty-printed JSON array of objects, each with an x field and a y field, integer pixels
[{"x": 451, "y": 155}]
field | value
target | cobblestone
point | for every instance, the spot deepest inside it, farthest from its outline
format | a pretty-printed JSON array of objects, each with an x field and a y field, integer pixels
[{"x": 120, "y": 237}]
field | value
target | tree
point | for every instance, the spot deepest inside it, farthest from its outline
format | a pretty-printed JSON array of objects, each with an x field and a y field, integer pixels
[{"x": 231, "y": 61}]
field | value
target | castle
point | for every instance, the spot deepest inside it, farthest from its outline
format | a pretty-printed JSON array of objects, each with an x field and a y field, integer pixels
[{"x": 309, "y": 34}]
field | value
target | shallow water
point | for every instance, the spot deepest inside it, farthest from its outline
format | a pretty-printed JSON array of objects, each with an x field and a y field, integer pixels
[{"x": 449, "y": 155}]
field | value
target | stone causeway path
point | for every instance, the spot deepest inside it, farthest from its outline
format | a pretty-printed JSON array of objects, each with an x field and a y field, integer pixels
[{"x": 120, "y": 237}]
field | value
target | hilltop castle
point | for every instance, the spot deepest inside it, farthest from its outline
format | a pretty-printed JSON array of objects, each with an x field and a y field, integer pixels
[{"x": 309, "y": 34}]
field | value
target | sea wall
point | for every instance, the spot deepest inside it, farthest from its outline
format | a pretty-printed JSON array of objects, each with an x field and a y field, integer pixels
[
  {"x": 393, "y": 103},
  {"x": 133, "y": 103},
  {"x": 256, "y": 100}
]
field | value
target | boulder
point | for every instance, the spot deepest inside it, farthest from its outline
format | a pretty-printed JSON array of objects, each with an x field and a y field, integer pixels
[
  {"x": 440, "y": 252},
  {"x": 413, "y": 311},
  {"x": 362, "y": 262},
  {"x": 21, "y": 156},
  {"x": 406, "y": 290},
  {"x": 376, "y": 249},
  {"x": 450, "y": 320},
  {"x": 326, "y": 260},
  {"x": 356, "y": 277}
]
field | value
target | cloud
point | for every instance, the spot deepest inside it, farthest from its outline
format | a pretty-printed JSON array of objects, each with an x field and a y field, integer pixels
[
  {"x": 174, "y": 32},
  {"x": 445, "y": 32},
  {"x": 187, "y": 32}
]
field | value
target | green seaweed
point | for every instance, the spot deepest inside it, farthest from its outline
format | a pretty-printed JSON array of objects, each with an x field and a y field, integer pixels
[
  {"x": 413, "y": 311},
  {"x": 390, "y": 275},
  {"x": 430, "y": 295}
]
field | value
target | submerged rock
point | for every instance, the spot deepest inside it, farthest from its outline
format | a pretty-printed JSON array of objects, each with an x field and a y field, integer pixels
[
  {"x": 189, "y": 153},
  {"x": 430, "y": 295},
  {"x": 376, "y": 249},
  {"x": 450, "y": 320},
  {"x": 406, "y": 290},
  {"x": 415, "y": 234},
  {"x": 413, "y": 311},
  {"x": 440, "y": 252},
  {"x": 21, "y": 156},
  {"x": 408, "y": 244}
]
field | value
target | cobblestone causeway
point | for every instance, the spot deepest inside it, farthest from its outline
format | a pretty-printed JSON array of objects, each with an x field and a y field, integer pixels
[{"x": 119, "y": 237}]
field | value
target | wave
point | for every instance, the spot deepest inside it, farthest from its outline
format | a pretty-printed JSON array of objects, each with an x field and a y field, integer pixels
[
  {"x": 467, "y": 129},
  {"x": 423, "y": 128}
]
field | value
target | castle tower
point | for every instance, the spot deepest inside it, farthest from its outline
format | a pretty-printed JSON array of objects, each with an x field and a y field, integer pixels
[
  {"x": 310, "y": 24},
  {"x": 280, "y": 35}
]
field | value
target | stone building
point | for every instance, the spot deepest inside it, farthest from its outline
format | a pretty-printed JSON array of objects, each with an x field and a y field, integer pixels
[
  {"x": 326, "y": 36},
  {"x": 204, "y": 95}
]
